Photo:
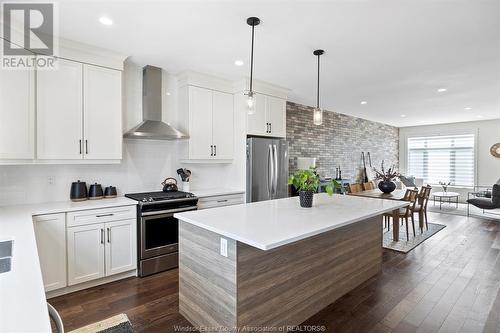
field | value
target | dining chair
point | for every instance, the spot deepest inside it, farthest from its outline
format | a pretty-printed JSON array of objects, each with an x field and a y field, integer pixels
[
  {"x": 368, "y": 186},
  {"x": 356, "y": 187},
  {"x": 421, "y": 206},
  {"x": 407, "y": 212}
]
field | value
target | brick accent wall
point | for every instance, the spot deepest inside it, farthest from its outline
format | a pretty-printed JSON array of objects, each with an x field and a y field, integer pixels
[{"x": 339, "y": 141}]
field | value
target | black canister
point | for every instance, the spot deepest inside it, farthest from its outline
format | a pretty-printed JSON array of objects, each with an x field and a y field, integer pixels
[
  {"x": 110, "y": 192},
  {"x": 95, "y": 192},
  {"x": 78, "y": 191}
]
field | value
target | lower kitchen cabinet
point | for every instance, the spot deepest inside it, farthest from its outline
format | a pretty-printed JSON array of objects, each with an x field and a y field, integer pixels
[
  {"x": 50, "y": 232},
  {"x": 99, "y": 250},
  {"x": 221, "y": 200},
  {"x": 84, "y": 246},
  {"x": 120, "y": 246},
  {"x": 85, "y": 253}
]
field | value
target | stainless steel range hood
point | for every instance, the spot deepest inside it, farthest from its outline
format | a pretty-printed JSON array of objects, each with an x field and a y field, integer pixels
[{"x": 152, "y": 128}]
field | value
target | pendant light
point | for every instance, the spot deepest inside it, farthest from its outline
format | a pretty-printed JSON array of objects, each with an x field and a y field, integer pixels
[
  {"x": 251, "y": 21},
  {"x": 318, "y": 113}
]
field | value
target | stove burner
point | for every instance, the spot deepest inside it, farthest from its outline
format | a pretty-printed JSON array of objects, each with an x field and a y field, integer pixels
[{"x": 159, "y": 196}]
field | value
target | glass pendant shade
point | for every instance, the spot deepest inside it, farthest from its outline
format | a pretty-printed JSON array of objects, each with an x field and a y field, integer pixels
[
  {"x": 318, "y": 116},
  {"x": 250, "y": 104}
]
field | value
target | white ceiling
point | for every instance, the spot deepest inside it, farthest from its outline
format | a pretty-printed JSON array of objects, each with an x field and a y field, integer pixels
[{"x": 394, "y": 54}]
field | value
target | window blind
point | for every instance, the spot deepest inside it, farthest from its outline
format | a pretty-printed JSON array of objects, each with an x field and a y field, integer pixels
[{"x": 447, "y": 158}]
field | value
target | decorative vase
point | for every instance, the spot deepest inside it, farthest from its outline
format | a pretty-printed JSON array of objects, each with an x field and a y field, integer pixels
[
  {"x": 306, "y": 198},
  {"x": 386, "y": 186}
]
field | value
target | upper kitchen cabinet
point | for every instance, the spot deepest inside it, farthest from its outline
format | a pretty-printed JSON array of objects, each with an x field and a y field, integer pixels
[
  {"x": 79, "y": 112},
  {"x": 102, "y": 113},
  {"x": 269, "y": 118},
  {"x": 17, "y": 114},
  {"x": 71, "y": 113},
  {"x": 207, "y": 115},
  {"x": 59, "y": 111}
]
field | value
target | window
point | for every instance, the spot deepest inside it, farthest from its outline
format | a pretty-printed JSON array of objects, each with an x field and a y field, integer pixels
[{"x": 447, "y": 158}]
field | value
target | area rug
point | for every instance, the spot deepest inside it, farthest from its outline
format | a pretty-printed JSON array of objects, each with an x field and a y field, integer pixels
[
  {"x": 404, "y": 245},
  {"x": 116, "y": 324}
]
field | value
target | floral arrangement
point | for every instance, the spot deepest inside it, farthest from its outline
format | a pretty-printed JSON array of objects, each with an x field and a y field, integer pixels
[
  {"x": 386, "y": 175},
  {"x": 445, "y": 185}
]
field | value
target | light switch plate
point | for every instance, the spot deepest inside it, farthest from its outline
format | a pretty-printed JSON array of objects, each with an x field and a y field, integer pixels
[{"x": 223, "y": 247}]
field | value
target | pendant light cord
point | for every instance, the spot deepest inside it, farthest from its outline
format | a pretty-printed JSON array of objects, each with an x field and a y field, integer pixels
[
  {"x": 251, "y": 61},
  {"x": 317, "y": 96}
]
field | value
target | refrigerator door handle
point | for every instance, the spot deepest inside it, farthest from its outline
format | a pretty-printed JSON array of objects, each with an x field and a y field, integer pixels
[
  {"x": 270, "y": 171},
  {"x": 275, "y": 177}
]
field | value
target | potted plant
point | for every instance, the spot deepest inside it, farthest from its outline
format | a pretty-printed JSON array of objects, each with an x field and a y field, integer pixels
[
  {"x": 386, "y": 184},
  {"x": 307, "y": 183}
]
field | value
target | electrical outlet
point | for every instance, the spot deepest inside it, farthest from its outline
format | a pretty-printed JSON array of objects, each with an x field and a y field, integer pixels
[
  {"x": 223, "y": 247},
  {"x": 51, "y": 180}
]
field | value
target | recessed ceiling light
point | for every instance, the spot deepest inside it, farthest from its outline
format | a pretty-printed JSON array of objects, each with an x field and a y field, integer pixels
[
  {"x": 168, "y": 93},
  {"x": 479, "y": 116},
  {"x": 239, "y": 63},
  {"x": 468, "y": 108},
  {"x": 364, "y": 102},
  {"x": 403, "y": 116},
  {"x": 442, "y": 90},
  {"x": 105, "y": 20}
]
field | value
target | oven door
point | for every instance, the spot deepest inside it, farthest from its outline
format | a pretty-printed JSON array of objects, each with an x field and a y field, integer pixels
[{"x": 159, "y": 233}]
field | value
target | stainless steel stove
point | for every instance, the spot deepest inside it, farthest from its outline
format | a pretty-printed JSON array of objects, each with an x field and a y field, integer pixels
[{"x": 158, "y": 230}]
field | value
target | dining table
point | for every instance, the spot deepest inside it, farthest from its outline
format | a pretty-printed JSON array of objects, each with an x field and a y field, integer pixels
[{"x": 395, "y": 195}]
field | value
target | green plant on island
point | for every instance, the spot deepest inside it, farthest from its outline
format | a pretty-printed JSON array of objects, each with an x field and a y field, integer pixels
[{"x": 309, "y": 181}]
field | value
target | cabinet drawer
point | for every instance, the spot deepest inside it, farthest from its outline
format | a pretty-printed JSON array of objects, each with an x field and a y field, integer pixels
[
  {"x": 220, "y": 201},
  {"x": 102, "y": 215}
]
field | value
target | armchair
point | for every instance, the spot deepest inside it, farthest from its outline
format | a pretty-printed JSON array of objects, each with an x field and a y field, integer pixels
[{"x": 485, "y": 200}]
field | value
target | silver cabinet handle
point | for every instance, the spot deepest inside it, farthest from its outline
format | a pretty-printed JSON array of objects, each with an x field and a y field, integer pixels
[
  {"x": 80, "y": 145},
  {"x": 103, "y": 215},
  {"x": 102, "y": 236},
  {"x": 109, "y": 235},
  {"x": 270, "y": 127},
  {"x": 211, "y": 150},
  {"x": 86, "y": 147},
  {"x": 225, "y": 200},
  {"x": 215, "y": 150}
]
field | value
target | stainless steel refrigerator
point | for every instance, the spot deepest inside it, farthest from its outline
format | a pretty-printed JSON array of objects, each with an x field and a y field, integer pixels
[{"x": 267, "y": 169}]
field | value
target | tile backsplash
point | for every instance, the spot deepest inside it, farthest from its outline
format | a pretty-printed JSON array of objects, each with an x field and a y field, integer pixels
[{"x": 339, "y": 141}]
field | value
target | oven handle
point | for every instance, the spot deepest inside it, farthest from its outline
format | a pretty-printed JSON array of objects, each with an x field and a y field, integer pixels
[{"x": 168, "y": 211}]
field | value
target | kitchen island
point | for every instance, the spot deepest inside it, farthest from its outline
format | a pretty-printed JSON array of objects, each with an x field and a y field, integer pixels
[{"x": 272, "y": 264}]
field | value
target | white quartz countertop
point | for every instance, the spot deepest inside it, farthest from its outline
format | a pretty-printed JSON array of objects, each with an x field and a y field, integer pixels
[
  {"x": 273, "y": 223},
  {"x": 23, "y": 306},
  {"x": 212, "y": 192}
]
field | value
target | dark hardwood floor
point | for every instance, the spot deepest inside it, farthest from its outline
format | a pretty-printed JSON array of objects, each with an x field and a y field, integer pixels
[{"x": 450, "y": 283}]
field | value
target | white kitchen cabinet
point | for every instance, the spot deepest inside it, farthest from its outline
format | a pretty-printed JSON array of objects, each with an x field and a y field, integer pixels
[
  {"x": 120, "y": 246},
  {"x": 257, "y": 123},
  {"x": 17, "y": 114},
  {"x": 102, "y": 114},
  {"x": 209, "y": 115},
  {"x": 221, "y": 200},
  {"x": 276, "y": 116},
  {"x": 101, "y": 243},
  {"x": 59, "y": 112},
  {"x": 85, "y": 253},
  {"x": 50, "y": 233},
  {"x": 223, "y": 125},
  {"x": 200, "y": 123},
  {"x": 269, "y": 118},
  {"x": 79, "y": 112}
]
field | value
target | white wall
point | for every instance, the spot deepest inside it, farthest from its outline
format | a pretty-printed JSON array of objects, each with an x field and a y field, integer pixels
[
  {"x": 145, "y": 162},
  {"x": 487, "y": 133}
]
